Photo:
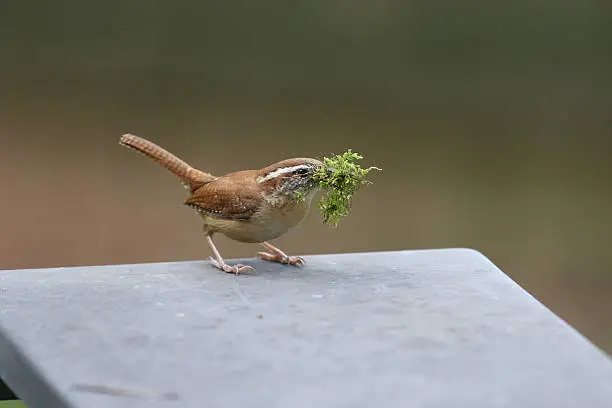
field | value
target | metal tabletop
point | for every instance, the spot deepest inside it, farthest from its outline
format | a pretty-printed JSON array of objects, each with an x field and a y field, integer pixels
[{"x": 435, "y": 328}]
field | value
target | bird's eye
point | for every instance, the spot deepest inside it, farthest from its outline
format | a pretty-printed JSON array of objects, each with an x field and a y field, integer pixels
[{"x": 300, "y": 171}]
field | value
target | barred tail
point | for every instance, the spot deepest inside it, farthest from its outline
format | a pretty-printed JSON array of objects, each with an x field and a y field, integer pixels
[{"x": 188, "y": 175}]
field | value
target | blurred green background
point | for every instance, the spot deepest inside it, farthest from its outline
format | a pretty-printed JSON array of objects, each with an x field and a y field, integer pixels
[
  {"x": 12, "y": 404},
  {"x": 491, "y": 120}
]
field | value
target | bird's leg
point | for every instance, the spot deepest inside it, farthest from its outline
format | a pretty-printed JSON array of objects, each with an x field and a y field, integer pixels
[
  {"x": 220, "y": 263},
  {"x": 277, "y": 255}
]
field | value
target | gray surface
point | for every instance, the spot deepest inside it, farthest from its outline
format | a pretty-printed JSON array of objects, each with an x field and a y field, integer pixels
[{"x": 402, "y": 329}]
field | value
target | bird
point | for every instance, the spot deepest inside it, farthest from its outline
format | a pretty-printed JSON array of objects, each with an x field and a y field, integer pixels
[{"x": 249, "y": 206}]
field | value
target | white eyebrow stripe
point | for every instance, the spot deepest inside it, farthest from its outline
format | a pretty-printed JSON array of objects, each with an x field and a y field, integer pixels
[{"x": 281, "y": 171}]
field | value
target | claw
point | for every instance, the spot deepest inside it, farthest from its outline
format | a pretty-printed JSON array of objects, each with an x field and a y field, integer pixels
[
  {"x": 235, "y": 269},
  {"x": 288, "y": 260}
]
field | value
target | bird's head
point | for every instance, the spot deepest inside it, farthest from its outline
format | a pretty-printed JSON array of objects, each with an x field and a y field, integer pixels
[{"x": 291, "y": 176}]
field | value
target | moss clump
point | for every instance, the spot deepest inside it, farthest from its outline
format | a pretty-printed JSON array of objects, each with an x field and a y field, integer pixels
[
  {"x": 299, "y": 195},
  {"x": 341, "y": 177}
]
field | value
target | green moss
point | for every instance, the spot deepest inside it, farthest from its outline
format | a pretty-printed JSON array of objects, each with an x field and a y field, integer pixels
[
  {"x": 341, "y": 177},
  {"x": 300, "y": 196}
]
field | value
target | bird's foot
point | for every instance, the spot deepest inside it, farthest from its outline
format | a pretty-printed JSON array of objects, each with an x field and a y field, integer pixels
[
  {"x": 276, "y": 255},
  {"x": 288, "y": 260},
  {"x": 235, "y": 269}
]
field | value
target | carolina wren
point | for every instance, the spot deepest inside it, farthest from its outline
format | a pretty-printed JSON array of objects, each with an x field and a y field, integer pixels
[{"x": 251, "y": 206}]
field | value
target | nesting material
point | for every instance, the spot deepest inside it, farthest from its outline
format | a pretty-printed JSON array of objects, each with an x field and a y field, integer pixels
[{"x": 341, "y": 177}]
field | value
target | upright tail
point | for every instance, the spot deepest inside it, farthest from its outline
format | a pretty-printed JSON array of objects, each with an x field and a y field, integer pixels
[{"x": 191, "y": 177}]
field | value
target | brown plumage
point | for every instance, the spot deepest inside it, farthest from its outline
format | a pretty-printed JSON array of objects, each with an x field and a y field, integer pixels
[
  {"x": 248, "y": 206},
  {"x": 191, "y": 177},
  {"x": 220, "y": 199}
]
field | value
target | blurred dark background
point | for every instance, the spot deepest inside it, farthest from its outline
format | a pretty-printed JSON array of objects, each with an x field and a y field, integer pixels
[{"x": 491, "y": 121}]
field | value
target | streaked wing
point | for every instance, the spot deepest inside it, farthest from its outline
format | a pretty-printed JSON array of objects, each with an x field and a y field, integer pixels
[{"x": 220, "y": 199}]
